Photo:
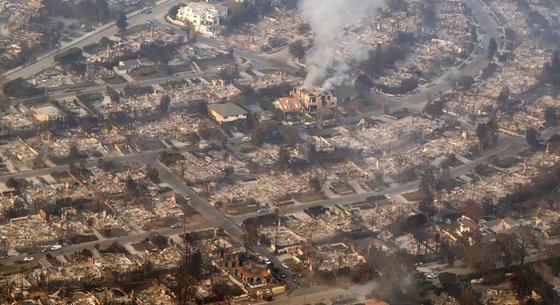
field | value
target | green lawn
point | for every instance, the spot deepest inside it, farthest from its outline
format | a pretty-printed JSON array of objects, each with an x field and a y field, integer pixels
[
  {"x": 137, "y": 29},
  {"x": 376, "y": 184},
  {"x": 90, "y": 97},
  {"x": 17, "y": 268},
  {"x": 413, "y": 196},
  {"x": 310, "y": 197},
  {"x": 244, "y": 147},
  {"x": 342, "y": 189},
  {"x": 485, "y": 170},
  {"x": 328, "y": 132},
  {"x": 453, "y": 162},
  {"x": 506, "y": 162}
]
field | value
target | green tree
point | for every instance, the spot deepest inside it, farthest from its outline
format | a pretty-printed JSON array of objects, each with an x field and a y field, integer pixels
[
  {"x": 427, "y": 182},
  {"x": 152, "y": 174},
  {"x": 15, "y": 184},
  {"x": 482, "y": 256},
  {"x": 315, "y": 183},
  {"x": 523, "y": 282},
  {"x": 102, "y": 10},
  {"x": 473, "y": 210},
  {"x": 426, "y": 205},
  {"x": 503, "y": 100},
  {"x": 362, "y": 84},
  {"x": 465, "y": 82},
  {"x": 113, "y": 94},
  {"x": 482, "y": 135},
  {"x": 283, "y": 157},
  {"x": 435, "y": 108},
  {"x": 157, "y": 52},
  {"x": 487, "y": 133},
  {"x": 189, "y": 30},
  {"x": 551, "y": 71},
  {"x": 429, "y": 14},
  {"x": 550, "y": 117},
  {"x": 532, "y": 137},
  {"x": 74, "y": 153},
  {"x": 122, "y": 23},
  {"x": 172, "y": 13},
  {"x": 492, "y": 49},
  {"x": 164, "y": 103},
  {"x": 297, "y": 49}
]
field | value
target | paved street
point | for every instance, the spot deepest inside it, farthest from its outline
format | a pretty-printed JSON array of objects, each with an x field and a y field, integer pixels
[
  {"x": 131, "y": 238},
  {"x": 473, "y": 65},
  {"x": 508, "y": 146},
  {"x": 138, "y": 157},
  {"x": 158, "y": 13},
  {"x": 200, "y": 204},
  {"x": 107, "y": 30}
]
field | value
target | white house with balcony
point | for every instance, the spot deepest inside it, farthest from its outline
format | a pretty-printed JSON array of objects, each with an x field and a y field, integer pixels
[{"x": 205, "y": 17}]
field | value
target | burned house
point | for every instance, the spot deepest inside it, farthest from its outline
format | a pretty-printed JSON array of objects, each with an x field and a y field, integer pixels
[
  {"x": 253, "y": 274},
  {"x": 315, "y": 100},
  {"x": 312, "y": 101}
]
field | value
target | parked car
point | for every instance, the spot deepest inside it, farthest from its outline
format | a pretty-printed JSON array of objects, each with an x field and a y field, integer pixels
[
  {"x": 56, "y": 247},
  {"x": 431, "y": 275},
  {"x": 28, "y": 259}
]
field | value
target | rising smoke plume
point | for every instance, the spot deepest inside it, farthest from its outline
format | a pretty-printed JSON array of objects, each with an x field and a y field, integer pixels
[{"x": 329, "y": 21}]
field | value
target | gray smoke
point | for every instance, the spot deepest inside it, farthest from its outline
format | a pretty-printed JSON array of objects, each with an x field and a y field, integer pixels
[{"x": 329, "y": 21}]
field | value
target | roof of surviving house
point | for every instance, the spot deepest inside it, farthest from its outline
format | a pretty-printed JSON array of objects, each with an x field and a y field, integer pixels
[
  {"x": 129, "y": 63},
  {"x": 288, "y": 104},
  {"x": 228, "y": 109}
]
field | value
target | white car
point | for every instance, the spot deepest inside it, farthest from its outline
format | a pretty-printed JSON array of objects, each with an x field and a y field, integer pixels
[
  {"x": 28, "y": 259},
  {"x": 246, "y": 139},
  {"x": 388, "y": 196},
  {"x": 56, "y": 247}
]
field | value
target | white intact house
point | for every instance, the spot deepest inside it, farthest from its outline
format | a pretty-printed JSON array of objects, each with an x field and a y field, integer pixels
[{"x": 205, "y": 17}]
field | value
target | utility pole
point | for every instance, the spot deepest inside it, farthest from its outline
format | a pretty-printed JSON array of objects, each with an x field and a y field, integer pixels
[{"x": 279, "y": 215}]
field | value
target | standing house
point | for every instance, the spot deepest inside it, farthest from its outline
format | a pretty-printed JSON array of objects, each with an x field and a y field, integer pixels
[
  {"x": 288, "y": 105},
  {"x": 227, "y": 113},
  {"x": 205, "y": 17}
]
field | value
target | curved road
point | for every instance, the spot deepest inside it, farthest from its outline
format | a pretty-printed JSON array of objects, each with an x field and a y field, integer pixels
[{"x": 475, "y": 63}]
